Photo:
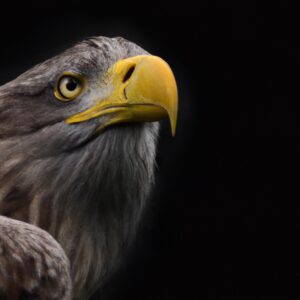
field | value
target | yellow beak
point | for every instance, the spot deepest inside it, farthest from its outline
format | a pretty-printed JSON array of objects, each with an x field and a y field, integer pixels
[{"x": 144, "y": 90}]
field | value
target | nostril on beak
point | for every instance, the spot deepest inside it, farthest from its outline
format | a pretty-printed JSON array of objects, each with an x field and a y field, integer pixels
[{"x": 128, "y": 74}]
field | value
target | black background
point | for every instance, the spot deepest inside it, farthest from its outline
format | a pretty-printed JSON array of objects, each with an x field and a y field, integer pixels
[{"x": 224, "y": 218}]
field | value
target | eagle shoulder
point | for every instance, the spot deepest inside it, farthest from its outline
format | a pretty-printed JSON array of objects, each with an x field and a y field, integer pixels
[{"x": 32, "y": 263}]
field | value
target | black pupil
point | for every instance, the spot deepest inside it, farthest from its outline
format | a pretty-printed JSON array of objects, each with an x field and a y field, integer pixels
[{"x": 71, "y": 84}]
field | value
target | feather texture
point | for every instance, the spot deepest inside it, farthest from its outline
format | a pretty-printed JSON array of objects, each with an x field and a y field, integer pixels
[{"x": 32, "y": 264}]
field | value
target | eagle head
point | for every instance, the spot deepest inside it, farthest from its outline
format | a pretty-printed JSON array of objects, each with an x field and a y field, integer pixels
[{"x": 78, "y": 138}]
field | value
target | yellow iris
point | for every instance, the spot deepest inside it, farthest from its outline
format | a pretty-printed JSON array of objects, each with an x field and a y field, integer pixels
[{"x": 68, "y": 87}]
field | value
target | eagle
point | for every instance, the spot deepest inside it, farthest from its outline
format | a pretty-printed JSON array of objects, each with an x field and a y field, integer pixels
[{"x": 78, "y": 137}]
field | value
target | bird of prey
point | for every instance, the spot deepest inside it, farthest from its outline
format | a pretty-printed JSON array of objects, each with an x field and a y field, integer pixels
[{"x": 78, "y": 137}]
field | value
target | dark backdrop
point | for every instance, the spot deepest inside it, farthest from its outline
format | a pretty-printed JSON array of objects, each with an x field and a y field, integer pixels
[{"x": 224, "y": 218}]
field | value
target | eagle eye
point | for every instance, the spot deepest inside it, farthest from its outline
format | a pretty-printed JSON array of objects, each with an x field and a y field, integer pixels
[{"x": 68, "y": 87}]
